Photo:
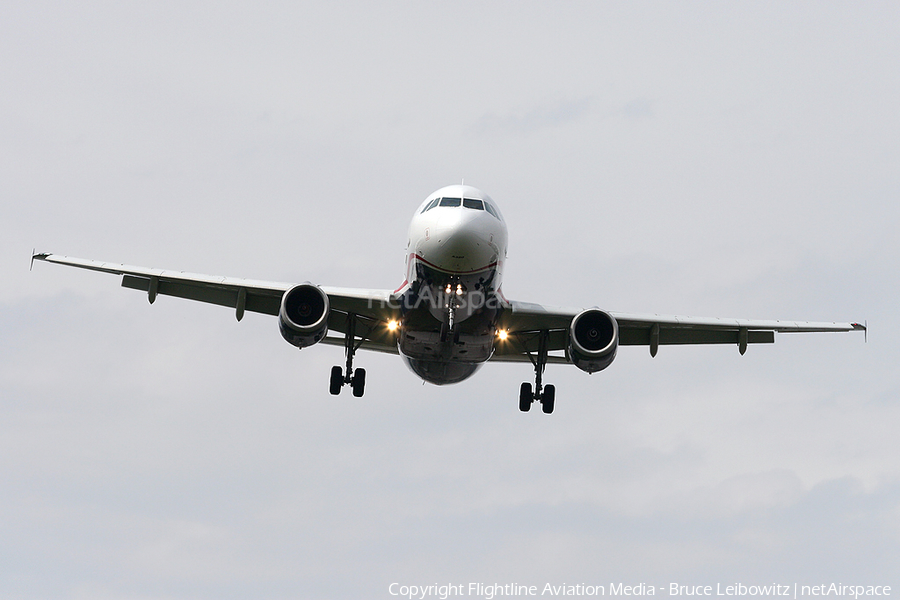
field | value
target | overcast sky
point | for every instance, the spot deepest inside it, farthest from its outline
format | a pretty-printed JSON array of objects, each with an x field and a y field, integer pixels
[{"x": 710, "y": 159}]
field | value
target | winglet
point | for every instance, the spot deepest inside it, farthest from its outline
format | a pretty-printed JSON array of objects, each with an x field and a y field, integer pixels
[
  {"x": 862, "y": 327},
  {"x": 37, "y": 255}
]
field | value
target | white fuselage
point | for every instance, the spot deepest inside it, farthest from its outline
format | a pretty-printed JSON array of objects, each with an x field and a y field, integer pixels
[{"x": 451, "y": 297}]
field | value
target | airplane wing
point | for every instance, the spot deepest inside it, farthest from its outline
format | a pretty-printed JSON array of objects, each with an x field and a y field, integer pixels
[
  {"x": 525, "y": 321},
  {"x": 371, "y": 307}
]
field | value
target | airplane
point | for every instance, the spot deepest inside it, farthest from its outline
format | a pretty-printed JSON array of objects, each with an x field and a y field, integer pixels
[{"x": 449, "y": 316}]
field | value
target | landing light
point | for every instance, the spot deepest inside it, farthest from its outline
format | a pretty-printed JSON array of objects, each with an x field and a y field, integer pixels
[
  {"x": 502, "y": 334},
  {"x": 393, "y": 325}
]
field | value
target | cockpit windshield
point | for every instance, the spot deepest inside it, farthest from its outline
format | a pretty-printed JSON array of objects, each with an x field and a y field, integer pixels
[
  {"x": 431, "y": 204},
  {"x": 473, "y": 203}
]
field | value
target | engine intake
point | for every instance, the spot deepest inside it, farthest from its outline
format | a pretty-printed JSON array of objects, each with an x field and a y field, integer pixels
[
  {"x": 303, "y": 317},
  {"x": 593, "y": 340}
]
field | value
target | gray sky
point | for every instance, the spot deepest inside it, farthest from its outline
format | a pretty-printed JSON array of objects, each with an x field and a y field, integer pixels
[{"x": 735, "y": 160}]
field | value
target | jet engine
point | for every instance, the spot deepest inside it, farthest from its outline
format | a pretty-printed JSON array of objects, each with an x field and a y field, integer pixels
[
  {"x": 593, "y": 340},
  {"x": 303, "y": 318}
]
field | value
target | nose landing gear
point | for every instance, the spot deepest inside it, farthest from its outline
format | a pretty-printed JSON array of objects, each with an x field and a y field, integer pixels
[{"x": 448, "y": 324}]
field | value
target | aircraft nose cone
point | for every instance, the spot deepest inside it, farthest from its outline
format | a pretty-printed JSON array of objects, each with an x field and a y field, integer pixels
[
  {"x": 464, "y": 249},
  {"x": 459, "y": 242}
]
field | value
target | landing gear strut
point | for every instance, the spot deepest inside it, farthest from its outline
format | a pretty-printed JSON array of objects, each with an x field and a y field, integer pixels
[
  {"x": 448, "y": 326},
  {"x": 545, "y": 394},
  {"x": 355, "y": 379}
]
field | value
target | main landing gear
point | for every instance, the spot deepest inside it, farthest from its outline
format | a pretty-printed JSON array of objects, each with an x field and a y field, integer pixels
[
  {"x": 545, "y": 394},
  {"x": 355, "y": 379}
]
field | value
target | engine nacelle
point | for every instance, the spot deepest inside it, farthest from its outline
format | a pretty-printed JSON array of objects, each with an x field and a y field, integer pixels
[
  {"x": 593, "y": 340},
  {"x": 303, "y": 318}
]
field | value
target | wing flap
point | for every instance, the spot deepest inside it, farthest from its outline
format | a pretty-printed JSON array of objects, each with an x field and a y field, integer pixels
[
  {"x": 629, "y": 320},
  {"x": 633, "y": 336},
  {"x": 552, "y": 359},
  {"x": 380, "y": 344},
  {"x": 255, "y": 300},
  {"x": 521, "y": 343}
]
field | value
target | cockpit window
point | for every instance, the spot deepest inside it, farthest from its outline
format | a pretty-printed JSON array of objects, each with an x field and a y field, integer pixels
[
  {"x": 473, "y": 203},
  {"x": 431, "y": 204}
]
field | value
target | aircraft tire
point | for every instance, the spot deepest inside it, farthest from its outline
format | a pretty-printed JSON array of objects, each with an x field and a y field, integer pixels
[
  {"x": 525, "y": 397},
  {"x": 336, "y": 382},
  {"x": 359, "y": 383},
  {"x": 549, "y": 399}
]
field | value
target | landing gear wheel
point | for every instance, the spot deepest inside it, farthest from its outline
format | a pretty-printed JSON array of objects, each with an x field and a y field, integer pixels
[
  {"x": 545, "y": 394},
  {"x": 525, "y": 397},
  {"x": 359, "y": 382},
  {"x": 548, "y": 399},
  {"x": 336, "y": 382}
]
